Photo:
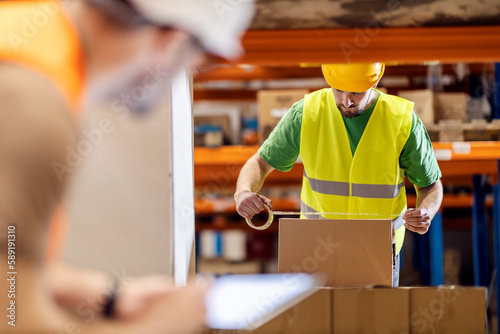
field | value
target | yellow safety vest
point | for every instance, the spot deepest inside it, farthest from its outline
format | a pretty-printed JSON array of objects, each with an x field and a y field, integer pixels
[{"x": 368, "y": 185}]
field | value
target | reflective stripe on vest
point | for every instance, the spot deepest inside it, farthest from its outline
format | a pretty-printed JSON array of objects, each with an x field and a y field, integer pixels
[
  {"x": 358, "y": 190},
  {"x": 368, "y": 184}
]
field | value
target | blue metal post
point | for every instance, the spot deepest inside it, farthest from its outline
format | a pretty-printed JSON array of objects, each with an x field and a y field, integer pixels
[
  {"x": 436, "y": 250},
  {"x": 496, "y": 240},
  {"x": 479, "y": 234}
]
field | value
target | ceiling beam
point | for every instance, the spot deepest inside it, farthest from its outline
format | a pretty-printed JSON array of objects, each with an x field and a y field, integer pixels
[{"x": 392, "y": 45}]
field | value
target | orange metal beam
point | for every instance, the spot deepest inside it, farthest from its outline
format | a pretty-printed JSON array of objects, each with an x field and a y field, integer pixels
[
  {"x": 238, "y": 155},
  {"x": 401, "y": 45},
  {"x": 236, "y": 73},
  {"x": 489, "y": 150},
  {"x": 220, "y": 167}
]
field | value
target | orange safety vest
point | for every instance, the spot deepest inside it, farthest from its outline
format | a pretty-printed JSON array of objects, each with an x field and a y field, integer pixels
[{"x": 40, "y": 36}]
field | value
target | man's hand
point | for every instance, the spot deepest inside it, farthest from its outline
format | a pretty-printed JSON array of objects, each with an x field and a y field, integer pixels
[
  {"x": 248, "y": 204},
  {"x": 417, "y": 220},
  {"x": 178, "y": 311},
  {"x": 73, "y": 287},
  {"x": 138, "y": 294}
]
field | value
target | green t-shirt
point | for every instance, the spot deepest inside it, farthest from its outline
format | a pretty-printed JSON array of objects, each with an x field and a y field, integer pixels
[{"x": 417, "y": 158}]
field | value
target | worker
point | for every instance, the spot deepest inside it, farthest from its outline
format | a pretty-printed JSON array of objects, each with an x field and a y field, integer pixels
[
  {"x": 357, "y": 144},
  {"x": 30, "y": 142},
  {"x": 55, "y": 58}
]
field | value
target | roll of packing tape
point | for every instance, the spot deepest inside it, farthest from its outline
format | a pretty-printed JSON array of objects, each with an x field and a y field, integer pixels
[{"x": 266, "y": 225}]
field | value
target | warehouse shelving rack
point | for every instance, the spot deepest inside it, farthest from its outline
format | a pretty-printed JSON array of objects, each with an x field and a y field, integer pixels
[{"x": 425, "y": 45}]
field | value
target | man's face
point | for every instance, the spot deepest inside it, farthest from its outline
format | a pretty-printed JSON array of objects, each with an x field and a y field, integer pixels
[
  {"x": 352, "y": 104},
  {"x": 146, "y": 50}
]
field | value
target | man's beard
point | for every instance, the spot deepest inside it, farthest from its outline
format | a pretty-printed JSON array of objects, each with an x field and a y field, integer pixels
[{"x": 351, "y": 113}]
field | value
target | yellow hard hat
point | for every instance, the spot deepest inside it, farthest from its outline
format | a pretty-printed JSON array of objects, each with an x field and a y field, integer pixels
[{"x": 353, "y": 77}]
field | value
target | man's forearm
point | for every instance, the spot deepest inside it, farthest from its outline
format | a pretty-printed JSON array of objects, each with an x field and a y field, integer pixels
[
  {"x": 252, "y": 176},
  {"x": 73, "y": 287},
  {"x": 430, "y": 198}
]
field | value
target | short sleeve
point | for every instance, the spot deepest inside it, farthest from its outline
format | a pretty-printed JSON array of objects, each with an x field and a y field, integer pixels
[
  {"x": 417, "y": 157},
  {"x": 282, "y": 147}
]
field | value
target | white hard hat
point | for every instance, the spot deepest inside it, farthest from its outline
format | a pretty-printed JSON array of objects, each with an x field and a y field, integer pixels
[{"x": 218, "y": 24}]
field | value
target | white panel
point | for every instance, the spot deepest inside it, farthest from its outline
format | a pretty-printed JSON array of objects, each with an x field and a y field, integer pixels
[
  {"x": 182, "y": 175},
  {"x": 119, "y": 205}
]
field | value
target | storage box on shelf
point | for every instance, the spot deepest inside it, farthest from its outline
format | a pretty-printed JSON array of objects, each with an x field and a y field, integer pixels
[
  {"x": 450, "y": 106},
  {"x": 424, "y": 103},
  {"x": 273, "y": 104},
  {"x": 481, "y": 130},
  {"x": 432, "y": 107},
  {"x": 455, "y": 131},
  {"x": 451, "y": 130},
  {"x": 445, "y": 115}
]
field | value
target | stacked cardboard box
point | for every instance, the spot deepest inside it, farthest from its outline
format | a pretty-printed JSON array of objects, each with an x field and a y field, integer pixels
[
  {"x": 443, "y": 310},
  {"x": 481, "y": 130},
  {"x": 354, "y": 256},
  {"x": 273, "y": 104},
  {"x": 451, "y": 130},
  {"x": 447, "y": 310},
  {"x": 433, "y": 107},
  {"x": 450, "y": 106},
  {"x": 424, "y": 103}
]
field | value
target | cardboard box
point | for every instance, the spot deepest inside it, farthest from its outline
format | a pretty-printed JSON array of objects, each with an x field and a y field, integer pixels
[
  {"x": 424, "y": 103},
  {"x": 222, "y": 121},
  {"x": 481, "y": 130},
  {"x": 312, "y": 315},
  {"x": 450, "y": 106},
  {"x": 273, "y": 104},
  {"x": 448, "y": 310},
  {"x": 451, "y": 130},
  {"x": 436, "y": 310},
  {"x": 379, "y": 310},
  {"x": 350, "y": 253}
]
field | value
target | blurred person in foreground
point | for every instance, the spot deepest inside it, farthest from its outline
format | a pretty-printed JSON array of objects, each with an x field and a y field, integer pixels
[{"x": 55, "y": 58}]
